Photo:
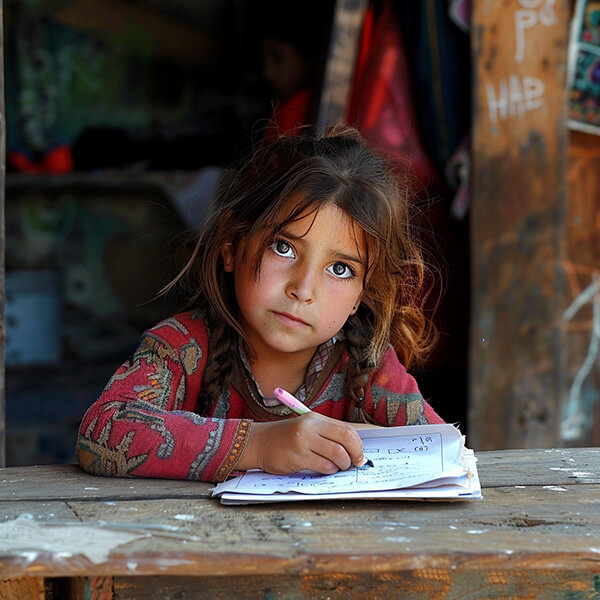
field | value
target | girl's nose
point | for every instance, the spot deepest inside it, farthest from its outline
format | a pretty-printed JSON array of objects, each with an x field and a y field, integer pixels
[{"x": 301, "y": 285}]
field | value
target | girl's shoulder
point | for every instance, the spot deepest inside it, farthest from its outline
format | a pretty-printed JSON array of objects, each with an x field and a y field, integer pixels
[
  {"x": 391, "y": 374},
  {"x": 181, "y": 329}
]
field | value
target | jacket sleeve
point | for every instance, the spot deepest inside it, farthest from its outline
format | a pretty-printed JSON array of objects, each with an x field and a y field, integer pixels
[
  {"x": 144, "y": 424},
  {"x": 392, "y": 396}
]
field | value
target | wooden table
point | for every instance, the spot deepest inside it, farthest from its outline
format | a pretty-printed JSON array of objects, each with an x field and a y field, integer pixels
[{"x": 536, "y": 534}]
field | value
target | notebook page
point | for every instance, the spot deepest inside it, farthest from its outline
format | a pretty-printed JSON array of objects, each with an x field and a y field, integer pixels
[{"x": 402, "y": 457}]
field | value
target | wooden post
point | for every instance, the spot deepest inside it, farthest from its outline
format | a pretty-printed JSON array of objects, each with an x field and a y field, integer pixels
[
  {"x": 339, "y": 69},
  {"x": 2, "y": 287},
  {"x": 517, "y": 223}
]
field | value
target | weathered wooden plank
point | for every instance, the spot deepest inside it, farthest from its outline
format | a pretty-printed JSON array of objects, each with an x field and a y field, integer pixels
[
  {"x": 22, "y": 589},
  {"x": 213, "y": 588},
  {"x": 521, "y": 541},
  {"x": 517, "y": 223},
  {"x": 561, "y": 466},
  {"x": 42, "y": 510},
  {"x": 418, "y": 584},
  {"x": 553, "y": 466},
  {"x": 512, "y": 519},
  {"x": 512, "y": 528},
  {"x": 580, "y": 424},
  {"x": 69, "y": 482},
  {"x": 334, "y": 565},
  {"x": 339, "y": 69}
]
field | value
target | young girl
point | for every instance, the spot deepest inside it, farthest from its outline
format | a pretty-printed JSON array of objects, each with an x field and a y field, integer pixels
[{"x": 305, "y": 277}]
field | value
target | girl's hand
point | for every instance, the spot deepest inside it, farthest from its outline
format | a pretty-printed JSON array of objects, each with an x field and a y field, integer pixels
[{"x": 311, "y": 441}]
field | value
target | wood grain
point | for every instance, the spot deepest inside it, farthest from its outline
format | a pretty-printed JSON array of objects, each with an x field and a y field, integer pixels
[
  {"x": 517, "y": 223},
  {"x": 558, "y": 466},
  {"x": 418, "y": 584},
  {"x": 339, "y": 68},
  {"x": 22, "y": 589},
  {"x": 534, "y": 535},
  {"x": 69, "y": 482},
  {"x": 513, "y": 527}
]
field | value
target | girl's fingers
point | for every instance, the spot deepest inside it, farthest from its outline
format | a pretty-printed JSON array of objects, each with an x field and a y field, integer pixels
[
  {"x": 347, "y": 441},
  {"x": 332, "y": 453},
  {"x": 323, "y": 465}
]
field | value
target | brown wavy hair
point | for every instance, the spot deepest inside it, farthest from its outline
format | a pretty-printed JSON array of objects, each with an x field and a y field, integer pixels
[{"x": 340, "y": 168}]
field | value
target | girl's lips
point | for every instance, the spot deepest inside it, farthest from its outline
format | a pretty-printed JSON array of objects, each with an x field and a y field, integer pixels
[{"x": 290, "y": 320}]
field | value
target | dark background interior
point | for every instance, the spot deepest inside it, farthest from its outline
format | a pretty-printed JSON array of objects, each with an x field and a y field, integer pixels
[{"x": 150, "y": 100}]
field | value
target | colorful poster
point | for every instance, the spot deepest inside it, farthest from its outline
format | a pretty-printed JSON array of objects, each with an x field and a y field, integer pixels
[{"x": 584, "y": 68}]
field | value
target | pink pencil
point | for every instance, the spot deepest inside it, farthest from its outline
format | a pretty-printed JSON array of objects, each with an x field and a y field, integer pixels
[{"x": 291, "y": 401}]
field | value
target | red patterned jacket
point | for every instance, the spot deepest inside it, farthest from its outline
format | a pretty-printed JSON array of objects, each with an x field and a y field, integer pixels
[{"x": 144, "y": 424}]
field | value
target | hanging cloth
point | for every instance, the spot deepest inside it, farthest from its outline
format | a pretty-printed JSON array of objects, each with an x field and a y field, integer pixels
[{"x": 381, "y": 104}]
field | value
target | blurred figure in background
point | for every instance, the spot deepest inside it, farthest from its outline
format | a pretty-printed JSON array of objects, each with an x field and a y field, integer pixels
[{"x": 293, "y": 48}]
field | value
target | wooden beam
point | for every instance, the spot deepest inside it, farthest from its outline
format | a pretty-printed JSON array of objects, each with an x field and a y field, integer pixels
[
  {"x": 339, "y": 69},
  {"x": 517, "y": 223},
  {"x": 415, "y": 584}
]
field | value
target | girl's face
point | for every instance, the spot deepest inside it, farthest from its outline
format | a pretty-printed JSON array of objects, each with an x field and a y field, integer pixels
[{"x": 310, "y": 280}]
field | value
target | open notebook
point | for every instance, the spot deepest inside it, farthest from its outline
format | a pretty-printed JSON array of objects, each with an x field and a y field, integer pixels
[{"x": 419, "y": 462}]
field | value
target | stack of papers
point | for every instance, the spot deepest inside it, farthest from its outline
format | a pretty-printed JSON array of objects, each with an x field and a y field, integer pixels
[{"x": 420, "y": 462}]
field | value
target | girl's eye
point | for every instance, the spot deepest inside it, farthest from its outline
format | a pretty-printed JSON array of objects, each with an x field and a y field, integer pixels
[
  {"x": 341, "y": 270},
  {"x": 282, "y": 248}
]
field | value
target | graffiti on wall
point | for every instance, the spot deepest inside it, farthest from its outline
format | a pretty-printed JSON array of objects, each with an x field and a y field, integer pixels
[{"x": 577, "y": 417}]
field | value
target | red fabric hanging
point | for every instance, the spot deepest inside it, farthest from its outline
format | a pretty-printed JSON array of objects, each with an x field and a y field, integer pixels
[
  {"x": 381, "y": 104},
  {"x": 289, "y": 115}
]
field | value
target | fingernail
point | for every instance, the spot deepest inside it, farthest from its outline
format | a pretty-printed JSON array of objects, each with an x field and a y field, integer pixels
[{"x": 363, "y": 462}]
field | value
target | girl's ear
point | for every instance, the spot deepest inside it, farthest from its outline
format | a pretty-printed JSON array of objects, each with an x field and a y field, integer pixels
[
  {"x": 228, "y": 256},
  {"x": 356, "y": 305}
]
